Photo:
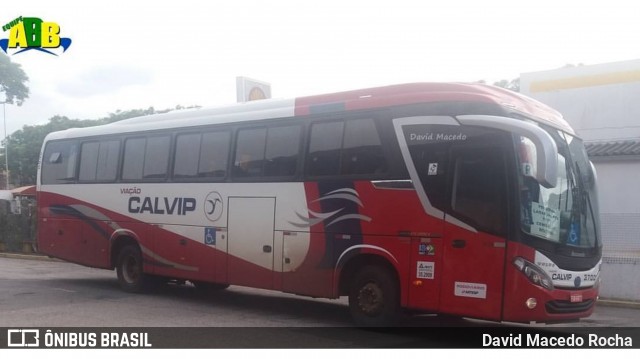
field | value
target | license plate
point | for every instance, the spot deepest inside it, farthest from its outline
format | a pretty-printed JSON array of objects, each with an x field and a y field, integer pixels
[{"x": 576, "y": 298}]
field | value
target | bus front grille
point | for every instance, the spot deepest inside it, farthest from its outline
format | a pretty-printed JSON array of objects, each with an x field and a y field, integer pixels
[{"x": 564, "y": 307}]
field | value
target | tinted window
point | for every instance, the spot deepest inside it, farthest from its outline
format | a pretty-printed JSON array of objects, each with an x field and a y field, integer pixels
[
  {"x": 362, "y": 150},
  {"x": 214, "y": 154},
  {"x": 431, "y": 148},
  {"x": 479, "y": 188},
  {"x": 201, "y": 155},
  {"x": 283, "y": 145},
  {"x": 267, "y": 152},
  {"x": 187, "y": 154},
  {"x": 59, "y": 162},
  {"x": 345, "y": 148},
  {"x": 146, "y": 158},
  {"x": 88, "y": 161},
  {"x": 99, "y": 161},
  {"x": 156, "y": 158},
  {"x": 324, "y": 149},
  {"x": 250, "y": 152},
  {"x": 133, "y": 162},
  {"x": 108, "y": 156}
]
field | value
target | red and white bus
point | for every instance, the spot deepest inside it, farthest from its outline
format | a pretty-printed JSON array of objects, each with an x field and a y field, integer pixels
[{"x": 463, "y": 199}]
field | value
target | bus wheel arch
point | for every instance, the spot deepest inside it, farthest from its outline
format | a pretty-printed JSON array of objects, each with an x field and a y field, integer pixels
[
  {"x": 118, "y": 243},
  {"x": 127, "y": 258},
  {"x": 373, "y": 287}
]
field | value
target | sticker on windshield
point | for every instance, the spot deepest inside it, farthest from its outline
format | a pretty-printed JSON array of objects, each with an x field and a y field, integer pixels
[{"x": 546, "y": 222}]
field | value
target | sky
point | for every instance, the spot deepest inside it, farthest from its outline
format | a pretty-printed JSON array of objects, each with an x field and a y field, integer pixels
[{"x": 136, "y": 54}]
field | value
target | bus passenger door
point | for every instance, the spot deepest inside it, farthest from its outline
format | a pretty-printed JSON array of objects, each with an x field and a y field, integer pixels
[
  {"x": 250, "y": 248},
  {"x": 474, "y": 241}
]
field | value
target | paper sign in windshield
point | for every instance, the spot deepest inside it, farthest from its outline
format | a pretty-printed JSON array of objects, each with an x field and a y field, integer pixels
[{"x": 546, "y": 222}]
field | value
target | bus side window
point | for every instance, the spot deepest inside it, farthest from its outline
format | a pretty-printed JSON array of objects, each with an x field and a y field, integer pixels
[
  {"x": 249, "y": 156},
  {"x": 133, "y": 158},
  {"x": 479, "y": 188},
  {"x": 88, "y": 161},
  {"x": 201, "y": 155},
  {"x": 156, "y": 158},
  {"x": 146, "y": 158},
  {"x": 214, "y": 154},
  {"x": 99, "y": 161},
  {"x": 324, "y": 149},
  {"x": 60, "y": 162},
  {"x": 186, "y": 155},
  {"x": 281, "y": 154},
  {"x": 352, "y": 147},
  {"x": 107, "y": 167},
  {"x": 362, "y": 150}
]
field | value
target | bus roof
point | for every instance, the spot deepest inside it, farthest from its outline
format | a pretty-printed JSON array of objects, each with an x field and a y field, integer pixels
[{"x": 362, "y": 99}]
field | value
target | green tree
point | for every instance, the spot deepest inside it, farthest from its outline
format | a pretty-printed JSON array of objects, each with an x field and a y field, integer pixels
[
  {"x": 13, "y": 81},
  {"x": 25, "y": 146}
]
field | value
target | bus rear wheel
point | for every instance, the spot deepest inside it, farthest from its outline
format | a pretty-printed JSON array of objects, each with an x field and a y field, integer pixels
[
  {"x": 130, "y": 270},
  {"x": 373, "y": 297}
]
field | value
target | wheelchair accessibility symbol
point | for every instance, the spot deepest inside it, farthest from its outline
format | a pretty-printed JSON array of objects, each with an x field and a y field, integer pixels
[
  {"x": 210, "y": 236},
  {"x": 574, "y": 235}
]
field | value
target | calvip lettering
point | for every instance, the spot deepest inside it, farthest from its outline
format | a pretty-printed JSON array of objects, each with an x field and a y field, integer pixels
[
  {"x": 561, "y": 276},
  {"x": 162, "y": 205}
]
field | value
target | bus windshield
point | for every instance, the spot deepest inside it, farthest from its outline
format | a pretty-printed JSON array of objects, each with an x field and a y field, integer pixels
[{"x": 567, "y": 213}]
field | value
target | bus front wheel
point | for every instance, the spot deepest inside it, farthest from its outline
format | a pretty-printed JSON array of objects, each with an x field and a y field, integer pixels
[
  {"x": 373, "y": 297},
  {"x": 129, "y": 268}
]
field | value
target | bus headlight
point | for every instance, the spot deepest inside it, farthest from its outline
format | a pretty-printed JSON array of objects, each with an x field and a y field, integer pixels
[{"x": 535, "y": 274}]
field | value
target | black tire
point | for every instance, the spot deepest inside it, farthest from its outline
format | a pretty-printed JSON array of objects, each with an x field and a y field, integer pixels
[
  {"x": 374, "y": 299},
  {"x": 130, "y": 272}
]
